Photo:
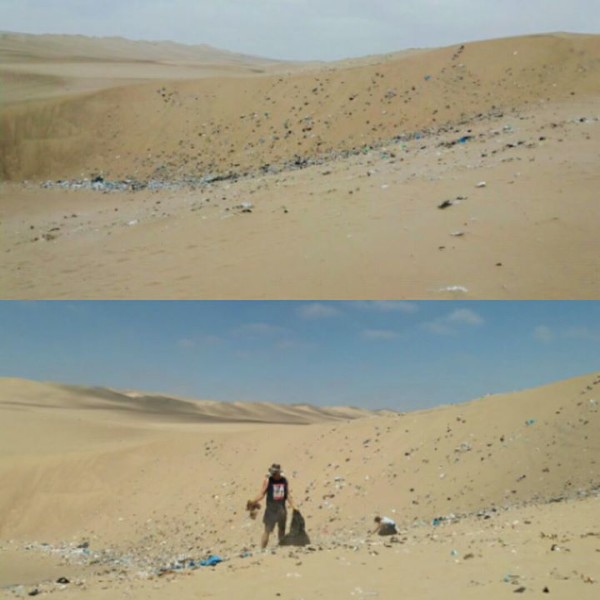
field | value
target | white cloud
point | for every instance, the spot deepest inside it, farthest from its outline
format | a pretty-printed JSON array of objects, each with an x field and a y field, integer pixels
[
  {"x": 466, "y": 316},
  {"x": 450, "y": 324},
  {"x": 439, "y": 327},
  {"x": 543, "y": 333},
  {"x": 379, "y": 334},
  {"x": 260, "y": 329},
  {"x": 389, "y": 306},
  {"x": 318, "y": 310}
]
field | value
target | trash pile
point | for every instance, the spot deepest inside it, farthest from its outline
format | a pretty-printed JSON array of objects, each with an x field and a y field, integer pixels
[{"x": 163, "y": 181}]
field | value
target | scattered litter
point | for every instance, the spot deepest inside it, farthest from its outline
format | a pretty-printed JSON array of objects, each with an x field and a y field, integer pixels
[
  {"x": 211, "y": 561},
  {"x": 457, "y": 233},
  {"x": 244, "y": 207},
  {"x": 464, "y": 447},
  {"x": 363, "y": 593},
  {"x": 530, "y": 422},
  {"x": 454, "y": 288},
  {"x": 481, "y": 184},
  {"x": 132, "y": 223},
  {"x": 447, "y": 203},
  {"x": 461, "y": 140}
]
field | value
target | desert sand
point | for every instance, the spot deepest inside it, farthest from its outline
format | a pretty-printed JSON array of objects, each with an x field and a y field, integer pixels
[
  {"x": 117, "y": 491},
  {"x": 246, "y": 178}
]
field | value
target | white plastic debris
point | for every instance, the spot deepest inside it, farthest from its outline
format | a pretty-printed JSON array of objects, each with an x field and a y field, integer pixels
[{"x": 454, "y": 288}]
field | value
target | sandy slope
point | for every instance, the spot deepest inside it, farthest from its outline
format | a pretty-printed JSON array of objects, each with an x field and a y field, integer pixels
[
  {"x": 221, "y": 124},
  {"x": 515, "y": 477},
  {"x": 358, "y": 225}
]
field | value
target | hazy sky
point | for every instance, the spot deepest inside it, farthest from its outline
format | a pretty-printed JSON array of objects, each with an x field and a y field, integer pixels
[
  {"x": 374, "y": 354},
  {"x": 302, "y": 29}
]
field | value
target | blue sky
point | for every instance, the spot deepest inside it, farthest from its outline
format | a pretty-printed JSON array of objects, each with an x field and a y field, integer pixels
[
  {"x": 402, "y": 355},
  {"x": 302, "y": 29}
]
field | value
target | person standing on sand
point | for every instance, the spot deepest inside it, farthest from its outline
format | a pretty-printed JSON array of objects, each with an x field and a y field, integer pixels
[{"x": 277, "y": 489}]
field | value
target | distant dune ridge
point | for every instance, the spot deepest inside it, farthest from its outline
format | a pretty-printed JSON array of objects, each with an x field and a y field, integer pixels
[
  {"x": 23, "y": 47},
  {"x": 165, "y": 409}
]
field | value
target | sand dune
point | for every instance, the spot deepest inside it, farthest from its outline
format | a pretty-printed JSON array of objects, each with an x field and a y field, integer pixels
[
  {"x": 23, "y": 48},
  {"x": 23, "y": 395},
  {"x": 192, "y": 128},
  {"x": 510, "y": 478},
  {"x": 34, "y": 67},
  {"x": 342, "y": 165}
]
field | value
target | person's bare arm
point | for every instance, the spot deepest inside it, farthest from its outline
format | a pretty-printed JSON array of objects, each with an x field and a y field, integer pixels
[
  {"x": 290, "y": 499},
  {"x": 263, "y": 491}
]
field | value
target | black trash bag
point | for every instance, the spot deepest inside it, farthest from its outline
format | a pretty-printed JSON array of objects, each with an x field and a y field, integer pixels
[{"x": 297, "y": 535}]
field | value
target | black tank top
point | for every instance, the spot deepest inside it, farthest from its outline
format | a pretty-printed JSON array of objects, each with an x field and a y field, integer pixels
[{"x": 277, "y": 491}]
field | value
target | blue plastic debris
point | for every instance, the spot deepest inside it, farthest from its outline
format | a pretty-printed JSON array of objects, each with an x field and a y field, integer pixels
[
  {"x": 427, "y": 77},
  {"x": 530, "y": 422},
  {"x": 211, "y": 561}
]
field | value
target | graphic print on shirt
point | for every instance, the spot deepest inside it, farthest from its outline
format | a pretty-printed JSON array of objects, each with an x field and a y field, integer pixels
[{"x": 278, "y": 491}]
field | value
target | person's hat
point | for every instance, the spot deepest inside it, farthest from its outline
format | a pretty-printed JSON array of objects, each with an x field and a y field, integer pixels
[{"x": 274, "y": 468}]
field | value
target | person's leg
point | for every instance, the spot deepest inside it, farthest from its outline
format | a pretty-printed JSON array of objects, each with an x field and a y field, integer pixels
[
  {"x": 269, "y": 520},
  {"x": 265, "y": 538},
  {"x": 281, "y": 525}
]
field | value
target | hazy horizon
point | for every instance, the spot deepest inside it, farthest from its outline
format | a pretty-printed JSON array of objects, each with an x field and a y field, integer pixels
[
  {"x": 397, "y": 355},
  {"x": 302, "y": 29}
]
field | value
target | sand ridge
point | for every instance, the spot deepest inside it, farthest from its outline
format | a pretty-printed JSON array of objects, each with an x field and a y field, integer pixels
[{"x": 506, "y": 472}]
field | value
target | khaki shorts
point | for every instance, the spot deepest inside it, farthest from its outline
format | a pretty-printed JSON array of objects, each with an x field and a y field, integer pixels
[{"x": 275, "y": 515}]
